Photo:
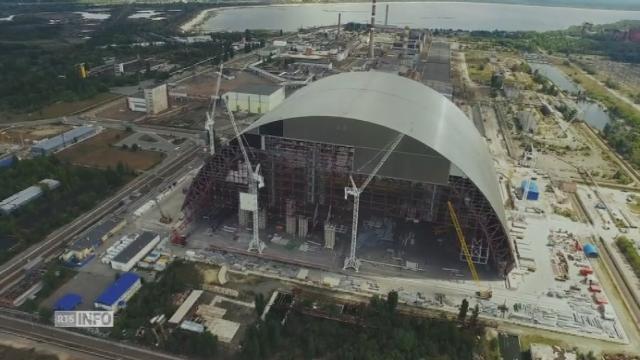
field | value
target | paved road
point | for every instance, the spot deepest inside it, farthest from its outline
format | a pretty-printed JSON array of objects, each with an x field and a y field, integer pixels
[
  {"x": 89, "y": 345},
  {"x": 12, "y": 271}
]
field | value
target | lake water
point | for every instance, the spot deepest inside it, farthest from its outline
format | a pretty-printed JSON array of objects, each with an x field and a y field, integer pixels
[
  {"x": 448, "y": 15},
  {"x": 592, "y": 113},
  {"x": 558, "y": 77}
]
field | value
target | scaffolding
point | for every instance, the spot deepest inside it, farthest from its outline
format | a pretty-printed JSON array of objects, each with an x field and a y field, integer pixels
[{"x": 306, "y": 179}]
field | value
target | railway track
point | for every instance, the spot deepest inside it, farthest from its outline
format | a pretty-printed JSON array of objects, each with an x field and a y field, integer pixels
[
  {"x": 77, "y": 342},
  {"x": 628, "y": 298},
  {"x": 13, "y": 271}
]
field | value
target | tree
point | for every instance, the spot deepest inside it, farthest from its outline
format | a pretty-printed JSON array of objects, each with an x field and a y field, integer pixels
[
  {"x": 392, "y": 300},
  {"x": 135, "y": 147},
  {"x": 464, "y": 308},
  {"x": 260, "y": 303},
  {"x": 45, "y": 314},
  {"x": 473, "y": 320}
]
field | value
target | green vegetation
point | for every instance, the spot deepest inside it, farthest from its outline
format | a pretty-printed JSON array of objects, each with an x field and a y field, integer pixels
[
  {"x": 597, "y": 91},
  {"x": 547, "y": 86},
  {"x": 202, "y": 346},
  {"x": 55, "y": 276},
  {"x": 157, "y": 298},
  {"x": 80, "y": 190},
  {"x": 602, "y": 40},
  {"x": 382, "y": 333},
  {"x": 478, "y": 67},
  {"x": 630, "y": 252},
  {"x": 568, "y": 213}
]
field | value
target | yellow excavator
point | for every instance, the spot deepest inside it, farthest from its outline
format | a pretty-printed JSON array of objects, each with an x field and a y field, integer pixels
[{"x": 482, "y": 293}]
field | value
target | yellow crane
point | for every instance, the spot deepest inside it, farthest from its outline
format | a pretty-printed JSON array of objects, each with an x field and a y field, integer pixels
[{"x": 482, "y": 292}]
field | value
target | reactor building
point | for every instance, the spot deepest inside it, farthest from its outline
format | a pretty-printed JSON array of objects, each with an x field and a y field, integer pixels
[{"x": 341, "y": 128}]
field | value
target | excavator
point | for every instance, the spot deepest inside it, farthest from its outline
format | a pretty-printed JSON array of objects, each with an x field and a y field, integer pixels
[{"x": 482, "y": 293}]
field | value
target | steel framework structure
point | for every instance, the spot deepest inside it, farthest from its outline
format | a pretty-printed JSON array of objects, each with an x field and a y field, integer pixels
[{"x": 308, "y": 178}]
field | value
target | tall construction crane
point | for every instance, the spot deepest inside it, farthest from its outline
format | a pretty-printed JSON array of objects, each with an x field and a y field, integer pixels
[
  {"x": 208, "y": 126},
  {"x": 482, "y": 292},
  {"x": 249, "y": 200},
  {"x": 351, "y": 262}
]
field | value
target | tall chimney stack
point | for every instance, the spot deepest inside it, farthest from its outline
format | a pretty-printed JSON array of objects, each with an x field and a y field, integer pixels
[
  {"x": 371, "y": 29},
  {"x": 386, "y": 16},
  {"x": 339, "y": 24}
]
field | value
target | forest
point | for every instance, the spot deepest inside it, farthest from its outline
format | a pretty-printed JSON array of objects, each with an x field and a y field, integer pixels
[
  {"x": 383, "y": 334},
  {"x": 38, "y": 60},
  {"x": 81, "y": 189},
  {"x": 604, "y": 40},
  {"x": 155, "y": 299}
]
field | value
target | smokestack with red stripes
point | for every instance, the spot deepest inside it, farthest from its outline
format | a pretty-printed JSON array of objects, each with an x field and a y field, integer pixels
[{"x": 371, "y": 29}]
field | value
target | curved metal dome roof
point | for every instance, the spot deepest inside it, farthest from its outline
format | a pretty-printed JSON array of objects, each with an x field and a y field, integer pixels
[{"x": 402, "y": 105}]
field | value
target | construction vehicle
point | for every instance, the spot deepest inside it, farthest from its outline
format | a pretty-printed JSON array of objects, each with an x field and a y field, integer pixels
[
  {"x": 482, "y": 293},
  {"x": 164, "y": 218}
]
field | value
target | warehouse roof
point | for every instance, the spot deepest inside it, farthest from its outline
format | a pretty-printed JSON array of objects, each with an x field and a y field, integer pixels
[
  {"x": 94, "y": 236},
  {"x": 21, "y": 198},
  {"x": 67, "y": 137},
  {"x": 134, "y": 248},
  {"x": 257, "y": 89},
  {"x": 68, "y": 302},
  {"x": 114, "y": 292},
  {"x": 402, "y": 106},
  {"x": 532, "y": 185},
  {"x": 185, "y": 307}
]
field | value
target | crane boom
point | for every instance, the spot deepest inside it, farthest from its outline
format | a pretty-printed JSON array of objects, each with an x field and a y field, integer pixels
[
  {"x": 386, "y": 155},
  {"x": 485, "y": 294},
  {"x": 351, "y": 262},
  {"x": 245, "y": 155},
  {"x": 211, "y": 115}
]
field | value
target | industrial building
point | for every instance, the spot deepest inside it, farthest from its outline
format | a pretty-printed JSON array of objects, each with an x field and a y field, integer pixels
[
  {"x": 333, "y": 134},
  {"x": 135, "y": 251},
  {"x": 22, "y": 198},
  {"x": 83, "y": 247},
  {"x": 6, "y": 160},
  {"x": 530, "y": 188},
  {"x": 152, "y": 100},
  {"x": 51, "y": 145},
  {"x": 184, "y": 308},
  {"x": 67, "y": 302},
  {"x": 255, "y": 98},
  {"x": 115, "y": 297}
]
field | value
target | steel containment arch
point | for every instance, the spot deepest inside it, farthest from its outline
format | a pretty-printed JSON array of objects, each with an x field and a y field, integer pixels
[{"x": 337, "y": 126}]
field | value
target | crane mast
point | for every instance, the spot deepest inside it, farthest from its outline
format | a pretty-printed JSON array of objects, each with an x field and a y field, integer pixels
[
  {"x": 351, "y": 262},
  {"x": 254, "y": 180}
]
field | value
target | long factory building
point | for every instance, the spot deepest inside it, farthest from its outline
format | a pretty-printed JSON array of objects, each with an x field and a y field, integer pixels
[{"x": 340, "y": 126}]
